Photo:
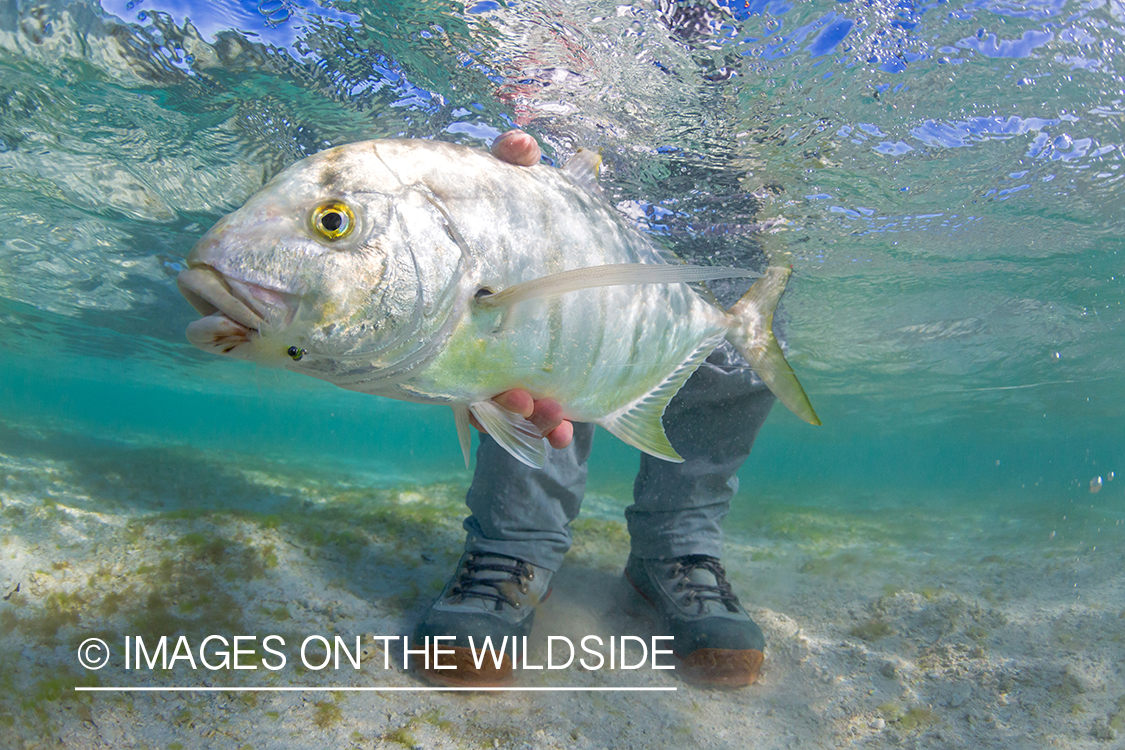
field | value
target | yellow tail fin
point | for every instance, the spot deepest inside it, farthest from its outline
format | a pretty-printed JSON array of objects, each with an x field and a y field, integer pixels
[{"x": 752, "y": 335}]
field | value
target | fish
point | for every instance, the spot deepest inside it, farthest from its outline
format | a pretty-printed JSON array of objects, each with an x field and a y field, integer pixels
[{"x": 435, "y": 273}]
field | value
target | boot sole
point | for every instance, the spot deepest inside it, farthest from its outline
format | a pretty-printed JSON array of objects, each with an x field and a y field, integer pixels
[
  {"x": 465, "y": 672},
  {"x": 724, "y": 668},
  {"x": 706, "y": 667}
]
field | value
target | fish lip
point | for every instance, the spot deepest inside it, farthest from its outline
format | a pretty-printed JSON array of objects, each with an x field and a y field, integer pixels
[{"x": 210, "y": 292}]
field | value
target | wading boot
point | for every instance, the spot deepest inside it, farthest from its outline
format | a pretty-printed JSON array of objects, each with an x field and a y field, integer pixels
[
  {"x": 488, "y": 596},
  {"x": 690, "y": 599}
]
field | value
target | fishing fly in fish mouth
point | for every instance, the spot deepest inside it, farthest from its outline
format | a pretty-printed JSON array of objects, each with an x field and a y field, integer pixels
[{"x": 363, "y": 265}]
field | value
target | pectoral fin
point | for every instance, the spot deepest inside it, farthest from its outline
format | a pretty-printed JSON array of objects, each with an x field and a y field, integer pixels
[
  {"x": 616, "y": 274},
  {"x": 515, "y": 434}
]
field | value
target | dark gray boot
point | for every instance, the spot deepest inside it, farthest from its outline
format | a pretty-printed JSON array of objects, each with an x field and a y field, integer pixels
[{"x": 690, "y": 599}]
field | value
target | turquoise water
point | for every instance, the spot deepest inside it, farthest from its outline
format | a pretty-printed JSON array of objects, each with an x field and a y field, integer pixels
[{"x": 951, "y": 174}]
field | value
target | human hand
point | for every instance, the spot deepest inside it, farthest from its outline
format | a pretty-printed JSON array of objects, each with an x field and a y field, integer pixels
[
  {"x": 544, "y": 413},
  {"x": 518, "y": 148}
]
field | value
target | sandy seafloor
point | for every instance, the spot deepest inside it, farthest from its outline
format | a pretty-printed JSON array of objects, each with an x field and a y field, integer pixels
[{"x": 886, "y": 628}]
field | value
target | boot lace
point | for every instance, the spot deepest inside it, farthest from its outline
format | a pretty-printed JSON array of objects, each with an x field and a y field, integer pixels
[
  {"x": 471, "y": 584},
  {"x": 701, "y": 593}
]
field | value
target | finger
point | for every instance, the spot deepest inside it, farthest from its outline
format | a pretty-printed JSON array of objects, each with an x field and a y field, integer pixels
[
  {"x": 548, "y": 415},
  {"x": 561, "y": 436},
  {"x": 517, "y": 147},
  {"x": 518, "y": 401}
]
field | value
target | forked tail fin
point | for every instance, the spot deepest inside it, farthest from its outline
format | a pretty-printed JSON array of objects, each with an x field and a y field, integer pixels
[{"x": 752, "y": 335}]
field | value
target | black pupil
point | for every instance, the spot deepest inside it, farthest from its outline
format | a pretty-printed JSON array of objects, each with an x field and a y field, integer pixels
[{"x": 332, "y": 221}]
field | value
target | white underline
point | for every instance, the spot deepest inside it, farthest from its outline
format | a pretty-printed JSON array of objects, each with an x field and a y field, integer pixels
[{"x": 366, "y": 689}]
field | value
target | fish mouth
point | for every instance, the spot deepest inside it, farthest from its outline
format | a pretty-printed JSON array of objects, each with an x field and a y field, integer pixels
[
  {"x": 232, "y": 314},
  {"x": 210, "y": 292}
]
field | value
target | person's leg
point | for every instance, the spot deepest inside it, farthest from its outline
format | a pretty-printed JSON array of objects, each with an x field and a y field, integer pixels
[
  {"x": 678, "y": 509},
  {"x": 676, "y": 523},
  {"x": 523, "y": 512},
  {"x": 515, "y": 541}
]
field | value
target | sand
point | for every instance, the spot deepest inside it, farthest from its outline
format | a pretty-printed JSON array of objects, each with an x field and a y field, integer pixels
[{"x": 890, "y": 628}]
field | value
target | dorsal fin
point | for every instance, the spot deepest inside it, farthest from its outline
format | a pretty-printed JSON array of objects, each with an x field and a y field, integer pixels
[{"x": 583, "y": 168}]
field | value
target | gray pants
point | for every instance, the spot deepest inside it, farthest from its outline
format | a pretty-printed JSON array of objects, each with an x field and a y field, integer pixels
[{"x": 677, "y": 509}]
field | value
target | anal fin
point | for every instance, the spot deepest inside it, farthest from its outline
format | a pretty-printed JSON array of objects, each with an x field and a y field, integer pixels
[
  {"x": 513, "y": 432},
  {"x": 639, "y": 423}
]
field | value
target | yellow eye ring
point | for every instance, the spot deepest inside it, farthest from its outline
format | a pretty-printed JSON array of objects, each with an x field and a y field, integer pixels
[{"x": 333, "y": 220}]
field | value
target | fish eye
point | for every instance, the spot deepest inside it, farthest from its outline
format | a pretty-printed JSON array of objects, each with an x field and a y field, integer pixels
[{"x": 333, "y": 220}]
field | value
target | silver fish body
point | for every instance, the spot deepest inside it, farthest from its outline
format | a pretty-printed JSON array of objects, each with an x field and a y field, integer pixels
[{"x": 431, "y": 272}]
